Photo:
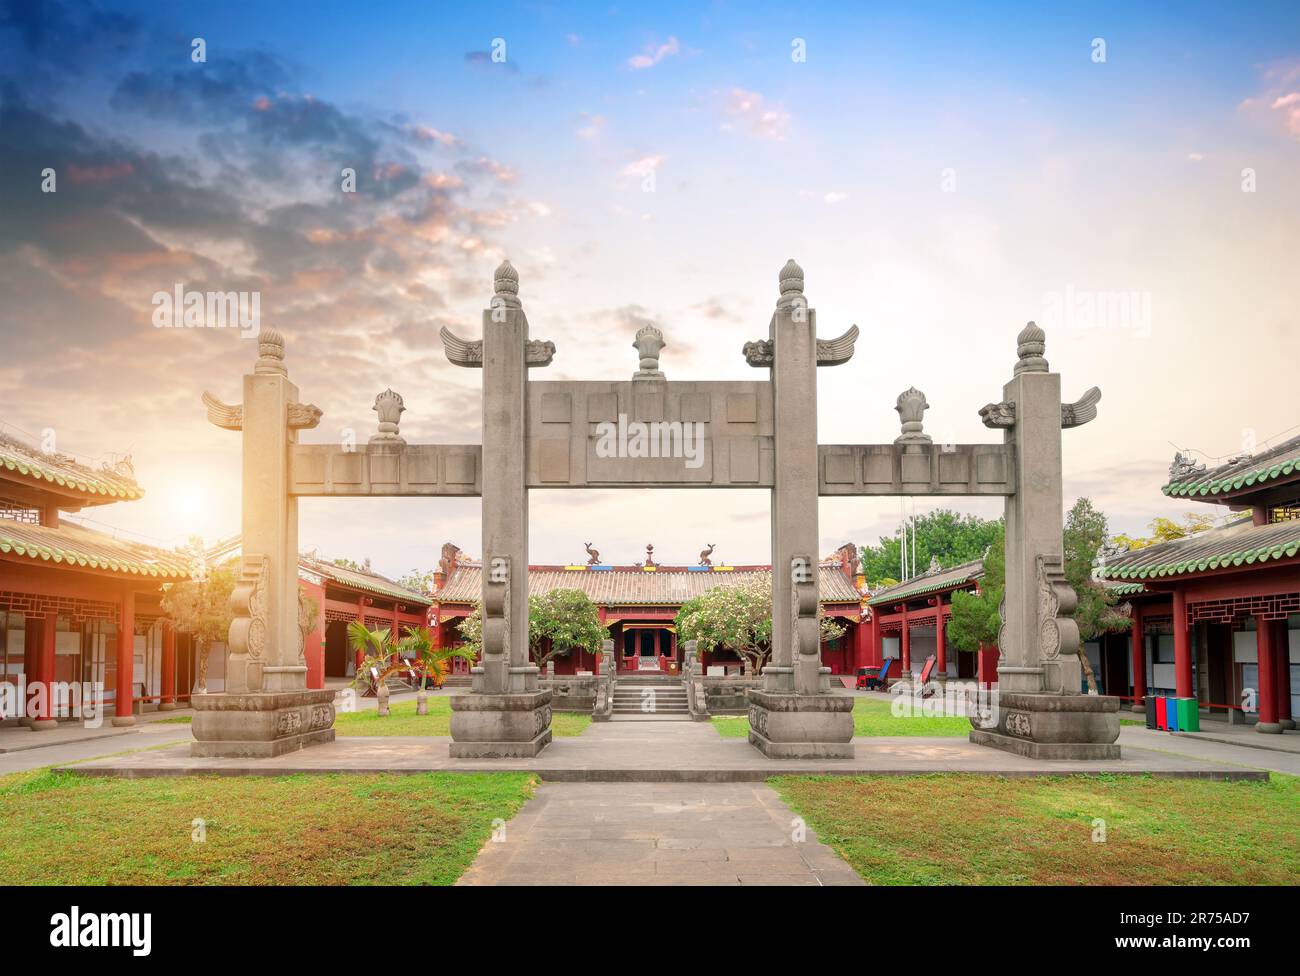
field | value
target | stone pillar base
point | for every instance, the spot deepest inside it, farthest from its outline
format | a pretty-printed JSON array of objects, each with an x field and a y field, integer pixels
[
  {"x": 510, "y": 726},
  {"x": 259, "y": 725},
  {"x": 1288, "y": 724},
  {"x": 789, "y": 726},
  {"x": 44, "y": 724},
  {"x": 123, "y": 721},
  {"x": 167, "y": 707},
  {"x": 1269, "y": 728},
  {"x": 1039, "y": 726}
]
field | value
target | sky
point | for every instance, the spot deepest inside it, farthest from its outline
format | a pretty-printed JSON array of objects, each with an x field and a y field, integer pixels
[{"x": 1128, "y": 176}]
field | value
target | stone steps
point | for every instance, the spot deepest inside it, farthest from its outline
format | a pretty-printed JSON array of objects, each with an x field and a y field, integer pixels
[{"x": 664, "y": 695}]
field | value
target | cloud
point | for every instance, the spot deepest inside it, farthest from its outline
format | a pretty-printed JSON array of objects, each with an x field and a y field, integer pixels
[
  {"x": 834, "y": 197},
  {"x": 1279, "y": 101},
  {"x": 224, "y": 177},
  {"x": 749, "y": 111},
  {"x": 592, "y": 126},
  {"x": 653, "y": 53},
  {"x": 644, "y": 165}
]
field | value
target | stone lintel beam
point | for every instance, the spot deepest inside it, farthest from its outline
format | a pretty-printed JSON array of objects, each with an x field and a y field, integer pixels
[
  {"x": 915, "y": 469},
  {"x": 391, "y": 469}
]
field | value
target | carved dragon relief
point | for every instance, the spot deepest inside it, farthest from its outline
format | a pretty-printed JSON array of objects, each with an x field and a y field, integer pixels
[
  {"x": 830, "y": 352},
  {"x": 469, "y": 352},
  {"x": 228, "y": 416},
  {"x": 1076, "y": 414},
  {"x": 496, "y": 609},
  {"x": 1058, "y": 633},
  {"x": 248, "y": 629},
  {"x": 805, "y": 629}
]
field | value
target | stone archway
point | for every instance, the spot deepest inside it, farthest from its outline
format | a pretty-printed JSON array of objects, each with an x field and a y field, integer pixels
[{"x": 643, "y": 432}]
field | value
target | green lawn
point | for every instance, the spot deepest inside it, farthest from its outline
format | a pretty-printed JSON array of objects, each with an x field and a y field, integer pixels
[
  {"x": 972, "y": 830},
  {"x": 404, "y": 721},
  {"x": 871, "y": 716},
  {"x": 60, "y": 828}
]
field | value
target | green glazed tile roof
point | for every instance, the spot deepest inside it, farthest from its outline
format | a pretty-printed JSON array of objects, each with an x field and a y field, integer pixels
[
  {"x": 58, "y": 471},
  {"x": 76, "y": 547},
  {"x": 1240, "y": 544},
  {"x": 1125, "y": 589},
  {"x": 369, "y": 582},
  {"x": 943, "y": 579},
  {"x": 1227, "y": 479}
]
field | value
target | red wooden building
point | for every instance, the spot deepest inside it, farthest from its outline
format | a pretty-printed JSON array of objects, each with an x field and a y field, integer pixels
[
  {"x": 77, "y": 605},
  {"x": 638, "y": 603},
  {"x": 344, "y": 595},
  {"x": 908, "y": 623},
  {"x": 1216, "y": 616}
]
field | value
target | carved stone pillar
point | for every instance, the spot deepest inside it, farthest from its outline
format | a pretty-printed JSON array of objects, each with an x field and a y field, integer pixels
[
  {"x": 506, "y": 714},
  {"x": 266, "y": 708},
  {"x": 795, "y": 715},
  {"x": 1041, "y": 712}
]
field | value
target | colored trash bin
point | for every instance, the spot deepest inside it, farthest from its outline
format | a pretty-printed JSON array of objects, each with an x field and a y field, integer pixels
[
  {"x": 1162, "y": 715},
  {"x": 1171, "y": 714},
  {"x": 1189, "y": 715},
  {"x": 1151, "y": 712}
]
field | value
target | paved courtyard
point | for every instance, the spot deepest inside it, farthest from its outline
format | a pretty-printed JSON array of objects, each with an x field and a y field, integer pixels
[
  {"x": 657, "y": 834},
  {"x": 668, "y": 751}
]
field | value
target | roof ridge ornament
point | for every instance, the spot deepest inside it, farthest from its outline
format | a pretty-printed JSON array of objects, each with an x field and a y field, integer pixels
[
  {"x": 505, "y": 286},
  {"x": 1030, "y": 346},
  {"x": 791, "y": 285},
  {"x": 649, "y": 342},
  {"x": 830, "y": 352}
]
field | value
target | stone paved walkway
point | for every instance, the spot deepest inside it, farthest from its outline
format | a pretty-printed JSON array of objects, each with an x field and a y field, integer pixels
[
  {"x": 657, "y": 834},
  {"x": 663, "y": 752}
]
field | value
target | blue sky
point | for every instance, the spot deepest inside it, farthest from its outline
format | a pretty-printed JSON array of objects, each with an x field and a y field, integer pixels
[{"x": 943, "y": 173}]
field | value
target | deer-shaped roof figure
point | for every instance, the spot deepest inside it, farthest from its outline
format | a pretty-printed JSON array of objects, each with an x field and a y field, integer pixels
[
  {"x": 705, "y": 554},
  {"x": 593, "y": 553}
]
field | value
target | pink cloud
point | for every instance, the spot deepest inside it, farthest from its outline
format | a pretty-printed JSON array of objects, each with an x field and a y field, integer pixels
[
  {"x": 749, "y": 110},
  {"x": 653, "y": 54}
]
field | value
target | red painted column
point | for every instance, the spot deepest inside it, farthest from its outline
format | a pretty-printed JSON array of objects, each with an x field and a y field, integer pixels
[
  {"x": 1182, "y": 648},
  {"x": 1282, "y": 654},
  {"x": 44, "y": 716},
  {"x": 31, "y": 663},
  {"x": 123, "y": 697},
  {"x": 940, "y": 644},
  {"x": 1139, "y": 635},
  {"x": 861, "y": 643},
  {"x": 361, "y": 617},
  {"x": 906, "y": 643},
  {"x": 1267, "y": 667},
  {"x": 167, "y": 695}
]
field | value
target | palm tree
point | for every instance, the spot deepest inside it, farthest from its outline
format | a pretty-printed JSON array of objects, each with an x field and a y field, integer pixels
[{"x": 418, "y": 642}]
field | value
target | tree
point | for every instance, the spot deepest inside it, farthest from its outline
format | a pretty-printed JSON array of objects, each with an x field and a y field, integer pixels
[
  {"x": 200, "y": 607},
  {"x": 945, "y": 535},
  {"x": 1084, "y": 535},
  {"x": 566, "y": 618},
  {"x": 975, "y": 617},
  {"x": 739, "y": 618},
  {"x": 561, "y": 621},
  {"x": 417, "y": 580},
  {"x": 418, "y": 643},
  {"x": 353, "y": 564},
  {"x": 1167, "y": 530}
]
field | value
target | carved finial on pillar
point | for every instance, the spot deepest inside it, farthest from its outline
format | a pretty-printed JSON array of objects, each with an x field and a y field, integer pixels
[
  {"x": 505, "y": 285},
  {"x": 791, "y": 286},
  {"x": 389, "y": 406},
  {"x": 649, "y": 341},
  {"x": 650, "y": 555},
  {"x": 911, "y": 408},
  {"x": 1030, "y": 345},
  {"x": 270, "y": 353}
]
